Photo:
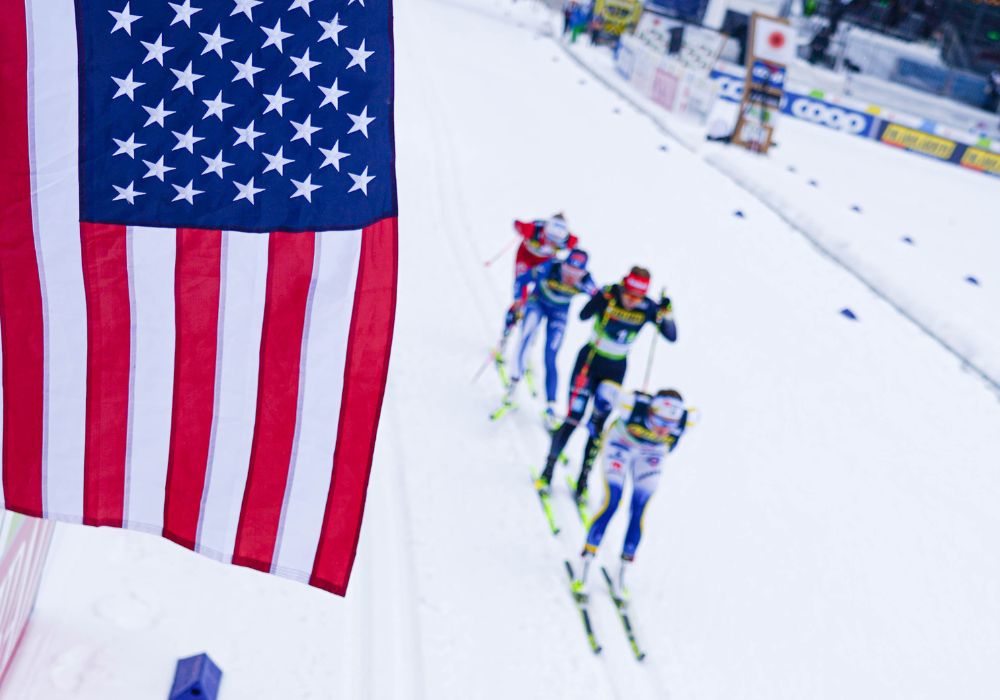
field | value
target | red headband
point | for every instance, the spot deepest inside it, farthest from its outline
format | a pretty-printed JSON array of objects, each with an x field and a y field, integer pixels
[{"x": 637, "y": 285}]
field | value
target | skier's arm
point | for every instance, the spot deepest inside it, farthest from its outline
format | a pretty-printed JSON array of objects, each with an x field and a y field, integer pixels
[
  {"x": 530, "y": 276},
  {"x": 597, "y": 304},
  {"x": 665, "y": 320},
  {"x": 588, "y": 287}
]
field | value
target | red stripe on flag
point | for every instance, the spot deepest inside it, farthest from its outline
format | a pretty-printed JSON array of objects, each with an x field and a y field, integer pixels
[
  {"x": 289, "y": 273},
  {"x": 365, "y": 374},
  {"x": 196, "y": 313},
  {"x": 109, "y": 329},
  {"x": 20, "y": 291}
]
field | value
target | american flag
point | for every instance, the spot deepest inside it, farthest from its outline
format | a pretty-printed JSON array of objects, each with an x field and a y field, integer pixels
[{"x": 197, "y": 270}]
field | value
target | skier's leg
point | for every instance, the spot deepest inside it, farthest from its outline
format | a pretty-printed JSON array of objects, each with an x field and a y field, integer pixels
[
  {"x": 555, "y": 328},
  {"x": 615, "y": 460},
  {"x": 604, "y": 401},
  {"x": 529, "y": 329},
  {"x": 579, "y": 397},
  {"x": 646, "y": 477}
]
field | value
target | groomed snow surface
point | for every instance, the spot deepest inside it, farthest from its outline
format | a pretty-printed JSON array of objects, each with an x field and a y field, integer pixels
[{"x": 829, "y": 530}]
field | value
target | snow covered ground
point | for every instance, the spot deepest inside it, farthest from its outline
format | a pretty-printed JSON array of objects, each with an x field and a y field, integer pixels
[{"x": 828, "y": 530}]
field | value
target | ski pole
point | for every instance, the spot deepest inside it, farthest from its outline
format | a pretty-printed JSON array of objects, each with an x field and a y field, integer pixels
[
  {"x": 507, "y": 246},
  {"x": 652, "y": 349}
]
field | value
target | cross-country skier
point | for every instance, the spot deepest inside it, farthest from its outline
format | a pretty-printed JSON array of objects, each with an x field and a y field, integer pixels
[
  {"x": 621, "y": 310},
  {"x": 553, "y": 284},
  {"x": 647, "y": 429},
  {"x": 541, "y": 240}
]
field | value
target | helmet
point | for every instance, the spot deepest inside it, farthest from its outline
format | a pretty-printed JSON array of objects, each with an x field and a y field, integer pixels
[
  {"x": 577, "y": 259},
  {"x": 666, "y": 410},
  {"x": 556, "y": 231}
]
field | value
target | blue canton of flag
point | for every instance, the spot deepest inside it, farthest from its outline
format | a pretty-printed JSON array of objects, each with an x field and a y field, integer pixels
[{"x": 247, "y": 115}]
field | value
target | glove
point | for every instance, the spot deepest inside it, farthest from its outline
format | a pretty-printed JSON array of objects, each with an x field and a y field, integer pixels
[{"x": 665, "y": 310}]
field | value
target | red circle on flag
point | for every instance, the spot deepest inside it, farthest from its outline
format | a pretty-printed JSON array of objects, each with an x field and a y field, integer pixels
[{"x": 776, "y": 40}]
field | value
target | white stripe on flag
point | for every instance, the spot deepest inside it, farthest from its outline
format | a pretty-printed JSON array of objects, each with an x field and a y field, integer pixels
[
  {"x": 241, "y": 315},
  {"x": 152, "y": 252},
  {"x": 53, "y": 120},
  {"x": 324, "y": 351}
]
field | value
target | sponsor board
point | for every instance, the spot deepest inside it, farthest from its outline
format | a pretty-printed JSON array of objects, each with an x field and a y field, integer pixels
[
  {"x": 918, "y": 141},
  {"x": 983, "y": 161}
]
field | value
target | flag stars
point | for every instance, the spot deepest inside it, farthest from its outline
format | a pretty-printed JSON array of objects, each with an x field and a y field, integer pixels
[
  {"x": 332, "y": 95},
  {"x": 215, "y": 41},
  {"x": 247, "y": 191},
  {"x": 186, "y": 78},
  {"x": 360, "y": 122},
  {"x": 127, "y": 193},
  {"x": 276, "y": 102},
  {"x": 361, "y": 182},
  {"x": 186, "y": 141},
  {"x": 247, "y": 135},
  {"x": 187, "y": 193},
  {"x": 246, "y": 7},
  {"x": 305, "y": 188},
  {"x": 303, "y": 65},
  {"x": 360, "y": 56},
  {"x": 157, "y": 114},
  {"x": 215, "y": 165},
  {"x": 332, "y": 29},
  {"x": 333, "y": 156},
  {"x": 301, "y": 4},
  {"x": 246, "y": 71},
  {"x": 127, "y": 147},
  {"x": 183, "y": 12},
  {"x": 157, "y": 169},
  {"x": 124, "y": 20},
  {"x": 360, "y": 2},
  {"x": 126, "y": 86},
  {"x": 155, "y": 50},
  {"x": 216, "y": 107},
  {"x": 275, "y": 37},
  {"x": 277, "y": 161},
  {"x": 305, "y": 130}
]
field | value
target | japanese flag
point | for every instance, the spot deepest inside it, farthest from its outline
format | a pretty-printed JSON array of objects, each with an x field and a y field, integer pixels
[{"x": 773, "y": 40}]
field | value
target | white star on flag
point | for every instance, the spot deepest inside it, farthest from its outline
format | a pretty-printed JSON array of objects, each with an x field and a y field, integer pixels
[
  {"x": 215, "y": 41},
  {"x": 301, "y": 4},
  {"x": 183, "y": 12},
  {"x": 186, "y": 77},
  {"x": 359, "y": 56},
  {"x": 186, "y": 141},
  {"x": 246, "y": 7},
  {"x": 215, "y": 165},
  {"x": 332, "y": 29},
  {"x": 126, "y": 86},
  {"x": 156, "y": 50},
  {"x": 128, "y": 147},
  {"x": 305, "y": 188},
  {"x": 276, "y": 102},
  {"x": 124, "y": 20},
  {"x": 187, "y": 193},
  {"x": 303, "y": 65},
  {"x": 332, "y": 95},
  {"x": 157, "y": 169},
  {"x": 156, "y": 114},
  {"x": 305, "y": 130},
  {"x": 127, "y": 193},
  {"x": 351, "y": 2},
  {"x": 275, "y": 36},
  {"x": 246, "y": 71},
  {"x": 361, "y": 181},
  {"x": 277, "y": 161},
  {"x": 333, "y": 156},
  {"x": 247, "y": 135},
  {"x": 216, "y": 107},
  {"x": 361, "y": 122},
  {"x": 247, "y": 191}
]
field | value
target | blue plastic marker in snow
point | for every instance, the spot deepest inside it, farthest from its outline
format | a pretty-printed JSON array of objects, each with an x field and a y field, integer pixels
[
  {"x": 739, "y": 214},
  {"x": 855, "y": 207},
  {"x": 972, "y": 280},
  {"x": 847, "y": 313},
  {"x": 664, "y": 148},
  {"x": 196, "y": 678},
  {"x": 814, "y": 183},
  {"x": 907, "y": 240}
]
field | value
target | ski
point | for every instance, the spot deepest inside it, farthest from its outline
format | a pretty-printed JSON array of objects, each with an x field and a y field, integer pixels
[
  {"x": 546, "y": 504},
  {"x": 529, "y": 379},
  {"x": 505, "y": 408},
  {"x": 581, "y": 606},
  {"x": 621, "y": 606},
  {"x": 581, "y": 505},
  {"x": 501, "y": 365}
]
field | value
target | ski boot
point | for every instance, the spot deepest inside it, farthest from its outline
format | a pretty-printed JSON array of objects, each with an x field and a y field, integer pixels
[
  {"x": 579, "y": 591},
  {"x": 549, "y": 417}
]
